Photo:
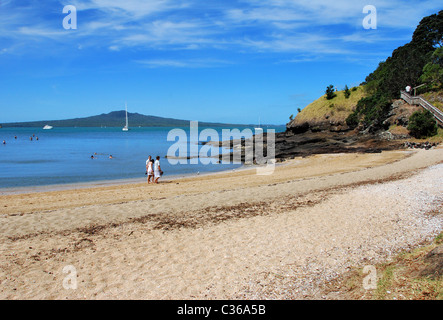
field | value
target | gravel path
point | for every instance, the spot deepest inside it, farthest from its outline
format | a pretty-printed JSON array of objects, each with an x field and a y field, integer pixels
[{"x": 358, "y": 227}]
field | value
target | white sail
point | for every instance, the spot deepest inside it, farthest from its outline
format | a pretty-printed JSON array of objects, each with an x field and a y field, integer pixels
[
  {"x": 259, "y": 129},
  {"x": 126, "y": 127}
]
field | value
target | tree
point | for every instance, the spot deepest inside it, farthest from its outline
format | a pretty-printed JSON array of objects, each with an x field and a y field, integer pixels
[
  {"x": 404, "y": 68},
  {"x": 347, "y": 92},
  {"x": 433, "y": 71},
  {"x": 422, "y": 124},
  {"x": 429, "y": 33},
  {"x": 330, "y": 92},
  {"x": 406, "y": 64},
  {"x": 370, "y": 111}
]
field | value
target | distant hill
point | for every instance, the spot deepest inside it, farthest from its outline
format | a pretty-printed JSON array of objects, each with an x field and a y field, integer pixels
[{"x": 114, "y": 119}]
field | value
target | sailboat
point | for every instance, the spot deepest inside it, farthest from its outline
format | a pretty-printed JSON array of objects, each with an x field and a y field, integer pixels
[
  {"x": 126, "y": 127},
  {"x": 259, "y": 129}
]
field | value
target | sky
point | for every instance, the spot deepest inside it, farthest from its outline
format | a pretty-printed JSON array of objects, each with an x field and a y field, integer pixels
[{"x": 232, "y": 61}]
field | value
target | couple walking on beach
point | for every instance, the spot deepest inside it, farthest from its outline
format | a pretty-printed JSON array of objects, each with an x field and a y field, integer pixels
[{"x": 153, "y": 169}]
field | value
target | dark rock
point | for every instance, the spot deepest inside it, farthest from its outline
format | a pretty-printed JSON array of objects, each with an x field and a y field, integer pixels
[
  {"x": 300, "y": 128},
  {"x": 340, "y": 128},
  {"x": 421, "y": 145}
]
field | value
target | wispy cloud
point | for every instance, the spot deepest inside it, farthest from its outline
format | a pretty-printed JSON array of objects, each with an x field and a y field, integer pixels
[
  {"x": 134, "y": 9},
  {"x": 185, "y": 63},
  {"x": 40, "y": 32},
  {"x": 309, "y": 28}
]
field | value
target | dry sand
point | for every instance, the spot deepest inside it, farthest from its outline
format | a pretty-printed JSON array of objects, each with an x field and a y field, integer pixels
[{"x": 221, "y": 236}]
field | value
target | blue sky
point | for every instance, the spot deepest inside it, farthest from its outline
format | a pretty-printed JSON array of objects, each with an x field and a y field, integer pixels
[{"x": 221, "y": 61}]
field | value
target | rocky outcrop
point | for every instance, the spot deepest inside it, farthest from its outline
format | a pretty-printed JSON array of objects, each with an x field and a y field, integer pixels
[
  {"x": 400, "y": 113},
  {"x": 398, "y": 116},
  {"x": 295, "y": 128},
  {"x": 289, "y": 145},
  {"x": 420, "y": 145},
  {"x": 316, "y": 126}
]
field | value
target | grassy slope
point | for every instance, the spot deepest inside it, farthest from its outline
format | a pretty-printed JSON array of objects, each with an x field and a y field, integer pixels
[
  {"x": 337, "y": 109},
  {"x": 435, "y": 97},
  {"x": 397, "y": 279}
]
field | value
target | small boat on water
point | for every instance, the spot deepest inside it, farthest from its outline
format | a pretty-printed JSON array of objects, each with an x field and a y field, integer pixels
[
  {"x": 47, "y": 127},
  {"x": 259, "y": 129},
  {"x": 126, "y": 127}
]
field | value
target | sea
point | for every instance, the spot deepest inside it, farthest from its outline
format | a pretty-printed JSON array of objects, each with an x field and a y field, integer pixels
[{"x": 32, "y": 157}]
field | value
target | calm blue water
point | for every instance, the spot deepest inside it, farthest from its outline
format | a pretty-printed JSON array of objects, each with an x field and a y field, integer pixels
[{"x": 63, "y": 155}]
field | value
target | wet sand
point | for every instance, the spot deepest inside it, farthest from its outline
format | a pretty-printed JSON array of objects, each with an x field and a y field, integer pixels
[{"x": 220, "y": 236}]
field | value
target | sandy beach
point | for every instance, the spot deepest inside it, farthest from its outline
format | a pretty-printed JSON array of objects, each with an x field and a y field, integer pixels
[{"x": 230, "y": 235}]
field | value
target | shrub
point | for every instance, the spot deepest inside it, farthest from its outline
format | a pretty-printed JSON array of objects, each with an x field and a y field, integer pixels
[
  {"x": 352, "y": 120},
  {"x": 371, "y": 111},
  {"x": 422, "y": 125}
]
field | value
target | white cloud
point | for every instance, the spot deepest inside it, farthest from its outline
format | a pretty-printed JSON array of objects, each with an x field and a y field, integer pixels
[
  {"x": 310, "y": 28},
  {"x": 190, "y": 63},
  {"x": 134, "y": 8},
  {"x": 114, "y": 48},
  {"x": 39, "y": 31}
]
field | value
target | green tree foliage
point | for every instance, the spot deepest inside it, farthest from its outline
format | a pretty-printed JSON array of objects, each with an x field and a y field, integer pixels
[
  {"x": 347, "y": 92},
  {"x": 403, "y": 68},
  {"x": 433, "y": 71},
  {"x": 352, "y": 120},
  {"x": 370, "y": 111},
  {"x": 406, "y": 64},
  {"x": 422, "y": 125},
  {"x": 330, "y": 92},
  {"x": 429, "y": 33}
]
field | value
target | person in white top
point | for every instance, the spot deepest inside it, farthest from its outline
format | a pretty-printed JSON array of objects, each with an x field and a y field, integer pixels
[
  {"x": 149, "y": 170},
  {"x": 157, "y": 169}
]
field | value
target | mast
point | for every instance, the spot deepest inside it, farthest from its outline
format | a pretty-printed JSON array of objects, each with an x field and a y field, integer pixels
[
  {"x": 126, "y": 127},
  {"x": 126, "y": 108}
]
